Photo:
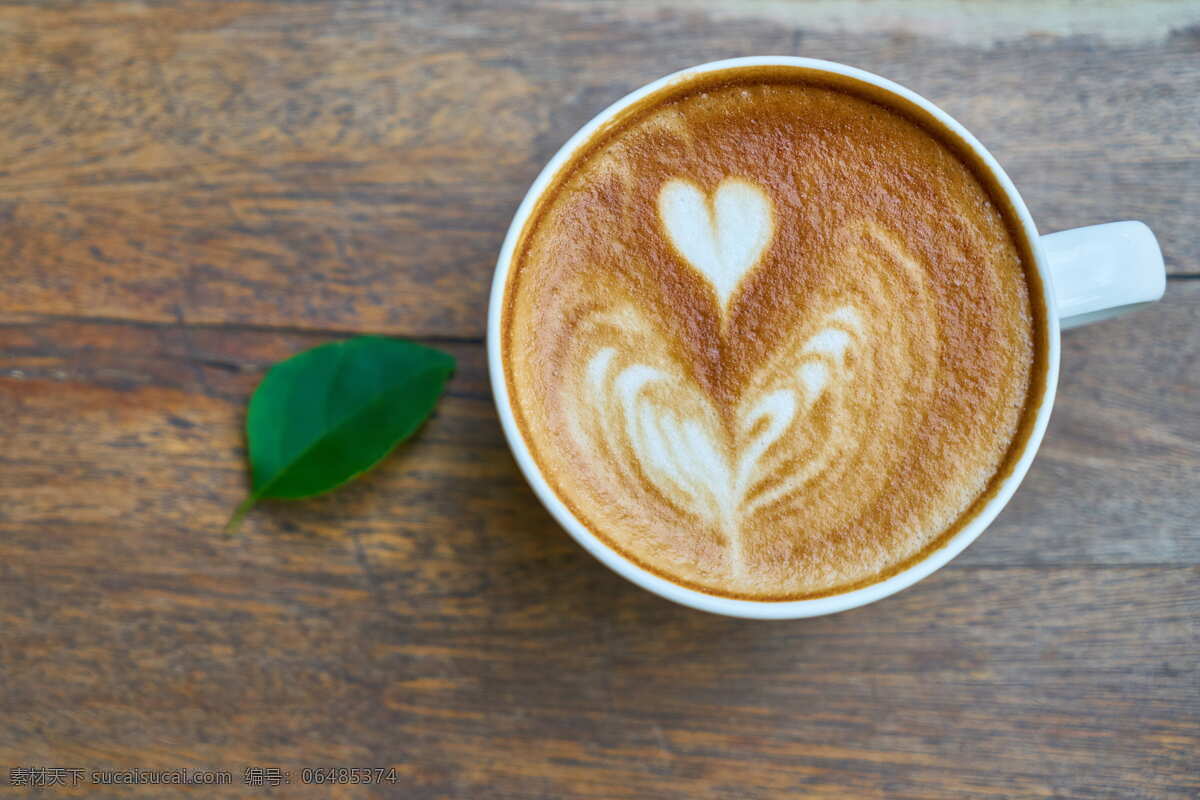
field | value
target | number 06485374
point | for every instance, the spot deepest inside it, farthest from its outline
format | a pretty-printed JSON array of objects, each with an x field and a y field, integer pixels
[{"x": 348, "y": 775}]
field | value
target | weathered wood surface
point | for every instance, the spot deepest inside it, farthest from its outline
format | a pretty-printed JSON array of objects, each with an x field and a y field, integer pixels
[
  {"x": 354, "y": 165},
  {"x": 191, "y": 191}
]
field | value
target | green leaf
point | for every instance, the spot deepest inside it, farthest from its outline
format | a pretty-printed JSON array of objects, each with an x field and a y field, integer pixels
[{"x": 325, "y": 416}]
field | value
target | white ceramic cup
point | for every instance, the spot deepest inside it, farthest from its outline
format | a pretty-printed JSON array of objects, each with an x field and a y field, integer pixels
[{"x": 1088, "y": 274}]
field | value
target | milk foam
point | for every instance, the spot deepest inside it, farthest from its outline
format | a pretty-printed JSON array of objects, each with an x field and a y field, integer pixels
[
  {"x": 762, "y": 371},
  {"x": 692, "y": 460},
  {"x": 721, "y": 236},
  {"x": 797, "y": 424}
]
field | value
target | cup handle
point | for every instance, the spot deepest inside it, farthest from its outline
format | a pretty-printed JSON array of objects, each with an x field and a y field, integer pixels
[{"x": 1104, "y": 270}]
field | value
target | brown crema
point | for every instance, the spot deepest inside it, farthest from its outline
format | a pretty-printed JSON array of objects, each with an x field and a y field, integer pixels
[{"x": 774, "y": 334}]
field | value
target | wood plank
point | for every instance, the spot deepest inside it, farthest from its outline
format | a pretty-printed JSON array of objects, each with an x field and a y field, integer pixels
[
  {"x": 354, "y": 165},
  {"x": 434, "y": 617},
  {"x": 1115, "y": 476},
  {"x": 158, "y": 409},
  {"x": 191, "y": 191},
  {"x": 1003, "y": 683}
]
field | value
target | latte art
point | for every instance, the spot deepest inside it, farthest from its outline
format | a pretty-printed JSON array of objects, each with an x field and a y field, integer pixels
[
  {"x": 722, "y": 237},
  {"x": 742, "y": 366},
  {"x": 692, "y": 460},
  {"x": 827, "y": 402}
]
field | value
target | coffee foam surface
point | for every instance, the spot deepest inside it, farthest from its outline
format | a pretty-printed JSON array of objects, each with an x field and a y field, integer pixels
[{"x": 769, "y": 338}]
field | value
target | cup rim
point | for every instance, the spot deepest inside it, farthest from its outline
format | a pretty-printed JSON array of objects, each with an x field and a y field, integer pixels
[{"x": 694, "y": 598}]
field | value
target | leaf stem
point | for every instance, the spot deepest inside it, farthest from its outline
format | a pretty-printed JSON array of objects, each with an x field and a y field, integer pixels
[{"x": 238, "y": 513}]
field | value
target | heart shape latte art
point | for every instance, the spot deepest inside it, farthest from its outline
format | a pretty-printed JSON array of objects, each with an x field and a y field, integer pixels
[
  {"x": 722, "y": 236},
  {"x": 796, "y": 428}
]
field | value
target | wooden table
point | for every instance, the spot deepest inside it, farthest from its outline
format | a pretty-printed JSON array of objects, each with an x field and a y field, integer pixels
[{"x": 191, "y": 191}]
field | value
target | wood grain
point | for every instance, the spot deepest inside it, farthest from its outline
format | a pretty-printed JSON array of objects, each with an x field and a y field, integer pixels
[
  {"x": 354, "y": 165},
  {"x": 434, "y": 617},
  {"x": 996, "y": 683},
  {"x": 164, "y": 404},
  {"x": 191, "y": 191}
]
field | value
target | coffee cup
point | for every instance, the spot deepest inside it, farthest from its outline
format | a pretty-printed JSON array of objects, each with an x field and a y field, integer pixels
[{"x": 1081, "y": 276}]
